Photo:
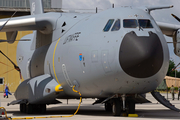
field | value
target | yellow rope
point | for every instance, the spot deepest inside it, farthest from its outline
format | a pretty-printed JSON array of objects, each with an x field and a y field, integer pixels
[
  {"x": 49, "y": 116},
  {"x": 79, "y": 102},
  {"x": 53, "y": 61}
]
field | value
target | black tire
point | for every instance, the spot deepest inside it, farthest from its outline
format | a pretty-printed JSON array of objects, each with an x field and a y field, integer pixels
[
  {"x": 131, "y": 107},
  {"x": 23, "y": 109},
  {"x": 29, "y": 109},
  {"x": 116, "y": 107},
  {"x": 108, "y": 107},
  {"x": 43, "y": 108}
]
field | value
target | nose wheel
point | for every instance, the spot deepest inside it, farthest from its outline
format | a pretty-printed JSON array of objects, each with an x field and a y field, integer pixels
[
  {"x": 130, "y": 107},
  {"x": 116, "y": 107},
  {"x": 108, "y": 107},
  {"x": 120, "y": 105}
]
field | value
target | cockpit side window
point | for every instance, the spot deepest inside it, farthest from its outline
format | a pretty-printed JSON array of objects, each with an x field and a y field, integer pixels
[
  {"x": 108, "y": 25},
  {"x": 130, "y": 23},
  {"x": 145, "y": 23},
  {"x": 116, "y": 26}
]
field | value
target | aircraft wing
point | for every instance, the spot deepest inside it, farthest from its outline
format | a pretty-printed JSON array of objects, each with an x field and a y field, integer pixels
[
  {"x": 19, "y": 24},
  {"x": 43, "y": 22},
  {"x": 168, "y": 29}
]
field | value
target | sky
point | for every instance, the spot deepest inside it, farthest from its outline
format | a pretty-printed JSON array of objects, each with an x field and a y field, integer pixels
[{"x": 159, "y": 15}]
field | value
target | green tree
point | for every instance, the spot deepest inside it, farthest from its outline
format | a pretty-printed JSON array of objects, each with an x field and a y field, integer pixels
[
  {"x": 171, "y": 66},
  {"x": 178, "y": 74},
  {"x": 172, "y": 72}
]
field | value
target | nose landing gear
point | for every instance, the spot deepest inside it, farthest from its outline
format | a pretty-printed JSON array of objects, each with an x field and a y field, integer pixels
[{"x": 121, "y": 106}]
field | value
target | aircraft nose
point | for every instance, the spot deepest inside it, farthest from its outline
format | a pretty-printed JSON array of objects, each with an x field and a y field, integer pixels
[{"x": 141, "y": 56}]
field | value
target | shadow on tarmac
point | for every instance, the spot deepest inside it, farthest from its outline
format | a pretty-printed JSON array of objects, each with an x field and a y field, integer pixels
[{"x": 99, "y": 111}]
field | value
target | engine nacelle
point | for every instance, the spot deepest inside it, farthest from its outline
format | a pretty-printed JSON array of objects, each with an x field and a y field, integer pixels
[{"x": 176, "y": 42}]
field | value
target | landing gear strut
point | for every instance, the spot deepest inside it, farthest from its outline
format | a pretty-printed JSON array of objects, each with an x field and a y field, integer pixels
[
  {"x": 128, "y": 105},
  {"x": 124, "y": 101}
]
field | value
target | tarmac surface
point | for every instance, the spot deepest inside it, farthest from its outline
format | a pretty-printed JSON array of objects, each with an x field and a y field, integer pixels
[{"x": 148, "y": 111}]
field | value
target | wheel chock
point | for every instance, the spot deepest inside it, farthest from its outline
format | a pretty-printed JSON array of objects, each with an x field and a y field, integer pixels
[{"x": 132, "y": 115}]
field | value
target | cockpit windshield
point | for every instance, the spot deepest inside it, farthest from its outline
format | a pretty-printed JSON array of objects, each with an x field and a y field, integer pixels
[
  {"x": 108, "y": 25},
  {"x": 130, "y": 23},
  {"x": 134, "y": 23},
  {"x": 116, "y": 26},
  {"x": 144, "y": 23}
]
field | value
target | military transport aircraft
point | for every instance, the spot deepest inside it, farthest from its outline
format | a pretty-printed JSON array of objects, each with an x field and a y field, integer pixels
[{"x": 115, "y": 56}]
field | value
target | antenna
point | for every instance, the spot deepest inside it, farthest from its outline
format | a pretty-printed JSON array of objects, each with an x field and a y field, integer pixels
[{"x": 113, "y": 5}]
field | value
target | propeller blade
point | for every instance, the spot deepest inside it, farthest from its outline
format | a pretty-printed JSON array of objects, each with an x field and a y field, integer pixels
[
  {"x": 15, "y": 66},
  {"x": 15, "y": 40},
  {"x": 174, "y": 67},
  {"x": 173, "y": 42},
  {"x": 177, "y": 18},
  {"x": 7, "y": 21}
]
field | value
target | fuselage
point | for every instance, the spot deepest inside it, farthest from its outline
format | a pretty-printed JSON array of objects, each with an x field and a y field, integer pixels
[{"x": 117, "y": 51}]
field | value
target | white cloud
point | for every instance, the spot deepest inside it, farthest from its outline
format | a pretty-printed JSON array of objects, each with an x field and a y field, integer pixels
[
  {"x": 159, "y": 15},
  {"x": 105, "y": 4}
]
